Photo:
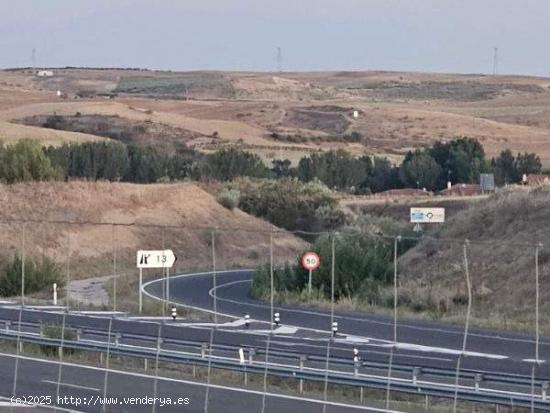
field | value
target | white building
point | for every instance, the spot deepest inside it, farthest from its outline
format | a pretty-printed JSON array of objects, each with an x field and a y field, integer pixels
[{"x": 44, "y": 73}]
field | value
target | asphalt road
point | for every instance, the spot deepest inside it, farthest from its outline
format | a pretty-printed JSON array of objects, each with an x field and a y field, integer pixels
[
  {"x": 422, "y": 343},
  {"x": 82, "y": 390}
]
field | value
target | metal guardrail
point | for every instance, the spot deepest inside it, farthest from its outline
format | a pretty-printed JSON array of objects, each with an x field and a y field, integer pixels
[
  {"x": 414, "y": 386},
  {"x": 410, "y": 369}
]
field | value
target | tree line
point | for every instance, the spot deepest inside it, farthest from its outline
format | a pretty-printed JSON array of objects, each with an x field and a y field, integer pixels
[{"x": 460, "y": 160}]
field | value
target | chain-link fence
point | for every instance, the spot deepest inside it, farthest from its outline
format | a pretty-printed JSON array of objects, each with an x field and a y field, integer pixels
[{"x": 422, "y": 324}]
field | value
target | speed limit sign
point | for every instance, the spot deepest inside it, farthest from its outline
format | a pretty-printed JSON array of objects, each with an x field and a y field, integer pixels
[{"x": 310, "y": 261}]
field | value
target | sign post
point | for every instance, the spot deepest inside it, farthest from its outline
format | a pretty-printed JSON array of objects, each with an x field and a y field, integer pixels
[
  {"x": 310, "y": 262},
  {"x": 154, "y": 259}
]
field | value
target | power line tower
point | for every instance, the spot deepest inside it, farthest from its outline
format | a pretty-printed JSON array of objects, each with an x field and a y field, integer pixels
[
  {"x": 279, "y": 60},
  {"x": 495, "y": 61}
]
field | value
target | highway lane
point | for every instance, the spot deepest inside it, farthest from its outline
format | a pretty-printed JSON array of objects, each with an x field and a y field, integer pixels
[
  {"x": 85, "y": 384},
  {"x": 502, "y": 351}
]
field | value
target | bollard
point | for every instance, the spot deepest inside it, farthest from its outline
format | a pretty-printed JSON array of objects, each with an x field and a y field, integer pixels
[
  {"x": 361, "y": 394},
  {"x": 545, "y": 387},
  {"x": 427, "y": 403},
  {"x": 335, "y": 328},
  {"x": 8, "y": 325},
  {"x": 416, "y": 372},
  {"x": 145, "y": 364},
  {"x": 117, "y": 339},
  {"x": 277, "y": 319},
  {"x": 203, "y": 350},
  {"x": 247, "y": 320},
  {"x": 100, "y": 359},
  {"x": 60, "y": 352},
  {"x": 194, "y": 370},
  {"x": 251, "y": 354},
  {"x": 54, "y": 293},
  {"x": 478, "y": 379},
  {"x": 78, "y": 334},
  {"x": 303, "y": 359},
  {"x": 356, "y": 365},
  {"x": 21, "y": 347}
]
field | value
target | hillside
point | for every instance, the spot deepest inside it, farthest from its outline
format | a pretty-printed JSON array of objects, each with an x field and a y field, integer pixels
[
  {"x": 178, "y": 216},
  {"x": 503, "y": 231},
  {"x": 292, "y": 114}
]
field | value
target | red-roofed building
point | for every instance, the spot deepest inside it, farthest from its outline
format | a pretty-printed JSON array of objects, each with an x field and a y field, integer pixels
[
  {"x": 462, "y": 190},
  {"x": 537, "y": 179}
]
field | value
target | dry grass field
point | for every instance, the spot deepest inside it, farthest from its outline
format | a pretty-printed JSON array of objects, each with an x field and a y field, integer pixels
[{"x": 291, "y": 114}]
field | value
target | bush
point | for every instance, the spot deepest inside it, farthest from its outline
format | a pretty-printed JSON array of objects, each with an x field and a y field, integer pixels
[
  {"x": 25, "y": 161},
  {"x": 39, "y": 275},
  {"x": 291, "y": 204},
  {"x": 229, "y": 198},
  {"x": 363, "y": 265},
  {"x": 57, "y": 331}
]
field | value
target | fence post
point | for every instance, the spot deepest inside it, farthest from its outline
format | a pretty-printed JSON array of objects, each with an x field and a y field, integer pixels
[
  {"x": 416, "y": 372},
  {"x": 303, "y": 358},
  {"x": 478, "y": 379}
]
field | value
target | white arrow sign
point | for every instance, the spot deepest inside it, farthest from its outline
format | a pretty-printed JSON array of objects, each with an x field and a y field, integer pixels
[{"x": 155, "y": 259}]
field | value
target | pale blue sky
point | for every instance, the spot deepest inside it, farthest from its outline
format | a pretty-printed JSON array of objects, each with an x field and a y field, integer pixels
[{"x": 420, "y": 35}]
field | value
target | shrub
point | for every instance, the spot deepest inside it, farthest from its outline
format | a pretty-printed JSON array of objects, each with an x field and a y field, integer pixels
[
  {"x": 229, "y": 198},
  {"x": 290, "y": 203},
  {"x": 39, "y": 275},
  {"x": 57, "y": 331},
  {"x": 362, "y": 266}
]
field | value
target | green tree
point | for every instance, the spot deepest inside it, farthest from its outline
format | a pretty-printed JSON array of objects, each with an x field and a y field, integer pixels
[
  {"x": 527, "y": 163},
  {"x": 504, "y": 167},
  {"x": 25, "y": 161},
  {"x": 420, "y": 169},
  {"x": 231, "y": 163},
  {"x": 336, "y": 169}
]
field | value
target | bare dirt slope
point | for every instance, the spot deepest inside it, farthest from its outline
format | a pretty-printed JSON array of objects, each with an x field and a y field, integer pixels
[
  {"x": 503, "y": 232},
  {"x": 179, "y": 216}
]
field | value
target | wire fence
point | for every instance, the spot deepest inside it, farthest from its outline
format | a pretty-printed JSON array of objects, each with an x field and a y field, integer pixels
[{"x": 393, "y": 336}]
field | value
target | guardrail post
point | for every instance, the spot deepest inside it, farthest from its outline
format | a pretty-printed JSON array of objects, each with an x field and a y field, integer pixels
[
  {"x": 251, "y": 354},
  {"x": 478, "y": 379},
  {"x": 416, "y": 373},
  {"x": 203, "y": 350},
  {"x": 145, "y": 364},
  {"x": 303, "y": 359},
  {"x": 545, "y": 387}
]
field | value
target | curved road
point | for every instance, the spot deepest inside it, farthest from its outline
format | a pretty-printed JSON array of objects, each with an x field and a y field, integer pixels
[{"x": 422, "y": 343}]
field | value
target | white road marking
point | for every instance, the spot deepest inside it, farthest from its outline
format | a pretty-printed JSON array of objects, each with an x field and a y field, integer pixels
[
  {"x": 534, "y": 361},
  {"x": 214, "y": 386},
  {"x": 404, "y": 346},
  {"x": 74, "y": 386}
]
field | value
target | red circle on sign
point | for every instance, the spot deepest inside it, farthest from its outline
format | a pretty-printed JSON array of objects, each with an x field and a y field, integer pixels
[{"x": 311, "y": 261}]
